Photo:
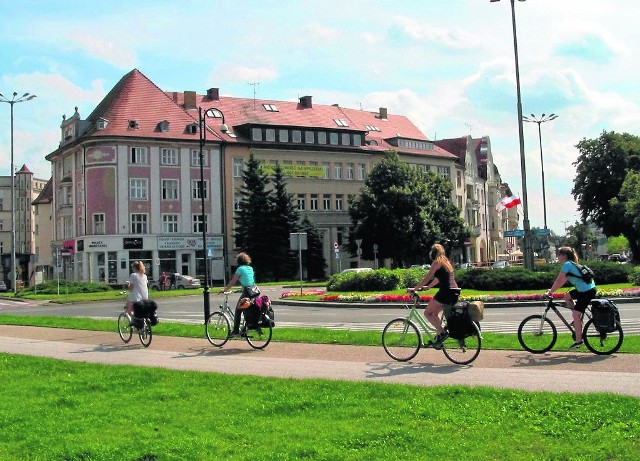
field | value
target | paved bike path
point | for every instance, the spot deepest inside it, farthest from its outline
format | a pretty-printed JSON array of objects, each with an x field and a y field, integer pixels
[{"x": 555, "y": 371}]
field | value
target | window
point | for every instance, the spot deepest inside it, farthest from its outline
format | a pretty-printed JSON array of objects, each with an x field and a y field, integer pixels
[
  {"x": 270, "y": 107},
  {"x": 98, "y": 224},
  {"x": 195, "y": 189},
  {"x": 313, "y": 202},
  {"x": 322, "y": 137},
  {"x": 333, "y": 139},
  {"x": 237, "y": 200},
  {"x": 361, "y": 171},
  {"x": 309, "y": 137},
  {"x": 301, "y": 202},
  {"x": 138, "y": 223},
  {"x": 197, "y": 223},
  {"x": 270, "y": 134},
  {"x": 283, "y": 135},
  {"x": 357, "y": 139},
  {"x": 372, "y": 128},
  {"x": 169, "y": 223},
  {"x": 296, "y": 136},
  {"x": 65, "y": 195},
  {"x": 459, "y": 178},
  {"x": 339, "y": 200},
  {"x": 256, "y": 134},
  {"x": 238, "y": 165},
  {"x": 445, "y": 172},
  {"x": 139, "y": 155},
  {"x": 340, "y": 122},
  {"x": 350, "y": 171},
  {"x": 195, "y": 158},
  {"x": 168, "y": 157},
  {"x": 345, "y": 139},
  {"x": 338, "y": 170},
  {"x": 138, "y": 189},
  {"x": 326, "y": 202},
  {"x": 169, "y": 189},
  {"x": 327, "y": 170}
]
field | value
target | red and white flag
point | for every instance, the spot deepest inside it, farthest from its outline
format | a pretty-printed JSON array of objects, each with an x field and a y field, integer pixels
[{"x": 508, "y": 202}]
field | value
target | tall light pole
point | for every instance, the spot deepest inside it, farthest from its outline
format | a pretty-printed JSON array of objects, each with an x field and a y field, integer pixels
[
  {"x": 14, "y": 100},
  {"x": 528, "y": 249},
  {"x": 202, "y": 115},
  {"x": 540, "y": 120}
]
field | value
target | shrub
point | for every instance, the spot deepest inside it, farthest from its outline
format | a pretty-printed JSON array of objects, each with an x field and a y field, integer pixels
[
  {"x": 634, "y": 275},
  {"x": 51, "y": 287}
]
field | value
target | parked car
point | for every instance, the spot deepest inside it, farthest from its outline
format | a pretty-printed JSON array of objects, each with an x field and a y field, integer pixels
[
  {"x": 358, "y": 269},
  {"x": 466, "y": 266},
  {"x": 500, "y": 265},
  {"x": 3, "y": 286},
  {"x": 182, "y": 282},
  {"x": 421, "y": 266}
]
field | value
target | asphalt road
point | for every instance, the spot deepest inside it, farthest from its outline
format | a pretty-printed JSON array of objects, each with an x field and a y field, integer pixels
[{"x": 189, "y": 309}]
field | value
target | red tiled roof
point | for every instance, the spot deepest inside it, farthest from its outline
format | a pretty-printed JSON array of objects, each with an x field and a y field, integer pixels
[
  {"x": 137, "y": 99},
  {"x": 24, "y": 170}
]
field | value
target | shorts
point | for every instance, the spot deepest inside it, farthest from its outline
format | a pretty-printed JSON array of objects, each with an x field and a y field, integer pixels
[
  {"x": 582, "y": 298},
  {"x": 447, "y": 296}
]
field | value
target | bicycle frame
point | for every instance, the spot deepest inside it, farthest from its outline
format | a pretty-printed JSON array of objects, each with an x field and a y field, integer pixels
[
  {"x": 416, "y": 317},
  {"x": 553, "y": 306}
]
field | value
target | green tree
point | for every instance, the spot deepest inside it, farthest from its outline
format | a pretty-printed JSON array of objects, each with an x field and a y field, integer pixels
[
  {"x": 404, "y": 210},
  {"x": 284, "y": 220},
  {"x": 253, "y": 218},
  {"x": 617, "y": 244},
  {"x": 313, "y": 257},
  {"x": 602, "y": 167},
  {"x": 582, "y": 239}
]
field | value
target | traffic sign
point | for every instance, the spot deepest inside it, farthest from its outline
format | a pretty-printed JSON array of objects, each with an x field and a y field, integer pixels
[
  {"x": 541, "y": 231},
  {"x": 514, "y": 233}
]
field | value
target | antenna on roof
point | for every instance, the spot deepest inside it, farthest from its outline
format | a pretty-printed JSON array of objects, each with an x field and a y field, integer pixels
[{"x": 254, "y": 84}]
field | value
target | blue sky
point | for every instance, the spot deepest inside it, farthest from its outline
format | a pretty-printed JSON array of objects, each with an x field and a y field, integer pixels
[{"x": 446, "y": 64}]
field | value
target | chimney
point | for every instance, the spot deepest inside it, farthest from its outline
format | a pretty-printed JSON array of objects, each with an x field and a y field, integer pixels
[
  {"x": 174, "y": 96},
  {"x": 305, "y": 102},
  {"x": 189, "y": 99},
  {"x": 213, "y": 94},
  {"x": 383, "y": 113}
]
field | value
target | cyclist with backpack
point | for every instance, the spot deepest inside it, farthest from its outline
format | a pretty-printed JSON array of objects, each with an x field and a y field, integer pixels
[
  {"x": 579, "y": 298},
  {"x": 245, "y": 275}
]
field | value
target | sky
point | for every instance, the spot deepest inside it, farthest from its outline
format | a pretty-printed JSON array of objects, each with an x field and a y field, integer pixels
[{"x": 448, "y": 65}]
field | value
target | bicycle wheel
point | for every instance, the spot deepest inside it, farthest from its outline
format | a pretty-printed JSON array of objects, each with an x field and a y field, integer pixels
[
  {"x": 401, "y": 339},
  {"x": 144, "y": 333},
  {"x": 258, "y": 337},
  {"x": 463, "y": 351},
  {"x": 602, "y": 343},
  {"x": 124, "y": 327},
  {"x": 537, "y": 334},
  {"x": 217, "y": 328}
]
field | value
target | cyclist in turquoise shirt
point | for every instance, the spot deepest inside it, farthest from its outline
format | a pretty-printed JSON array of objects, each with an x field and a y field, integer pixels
[
  {"x": 579, "y": 298},
  {"x": 244, "y": 274}
]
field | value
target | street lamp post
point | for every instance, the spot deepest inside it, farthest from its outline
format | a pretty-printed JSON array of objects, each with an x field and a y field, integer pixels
[
  {"x": 540, "y": 120},
  {"x": 14, "y": 100},
  {"x": 528, "y": 250},
  {"x": 202, "y": 115}
]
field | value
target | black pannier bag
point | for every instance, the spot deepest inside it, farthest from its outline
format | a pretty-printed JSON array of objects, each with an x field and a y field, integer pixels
[
  {"x": 146, "y": 310},
  {"x": 605, "y": 315},
  {"x": 252, "y": 315},
  {"x": 459, "y": 323},
  {"x": 266, "y": 316}
]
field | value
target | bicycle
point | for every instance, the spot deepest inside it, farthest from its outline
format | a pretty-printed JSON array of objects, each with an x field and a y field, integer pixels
[
  {"x": 403, "y": 337},
  {"x": 538, "y": 334},
  {"x": 127, "y": 325},
  {"x": 218, "y": 327}
]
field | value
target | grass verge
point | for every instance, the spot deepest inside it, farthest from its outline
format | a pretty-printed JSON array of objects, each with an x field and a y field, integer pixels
[
  {"x": 54, "y": 409},
  {"x": 500, "y": 341}
]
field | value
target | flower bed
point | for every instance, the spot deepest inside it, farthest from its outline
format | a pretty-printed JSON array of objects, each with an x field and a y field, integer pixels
[{"x": 405, "y": 298}]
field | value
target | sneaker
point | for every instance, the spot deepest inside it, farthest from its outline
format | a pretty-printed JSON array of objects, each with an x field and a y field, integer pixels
[
  {"x": 234, "y": 334},
  {"x": 442, "y": 336},
  {"x": 576, "y": 345}
]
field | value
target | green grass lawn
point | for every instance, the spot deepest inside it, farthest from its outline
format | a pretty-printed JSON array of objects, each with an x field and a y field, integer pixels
[{"x": 58, "y": 410}]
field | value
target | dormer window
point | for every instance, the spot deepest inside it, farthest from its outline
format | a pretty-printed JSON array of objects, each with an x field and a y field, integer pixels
[
  {"x": 163, "y": 126},
  {"x": 192, "y": 128},
  {"x": 101, "y": 124},
  {"x": 133, "y": 124},
  {"x": 68, "y": 132}
]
